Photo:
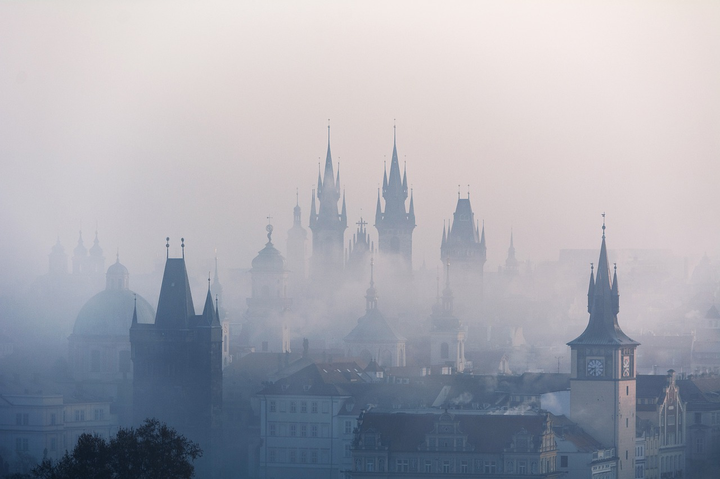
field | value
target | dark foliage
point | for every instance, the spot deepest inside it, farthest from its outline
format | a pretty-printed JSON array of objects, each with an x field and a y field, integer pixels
[{"x": 152, "y": 451}]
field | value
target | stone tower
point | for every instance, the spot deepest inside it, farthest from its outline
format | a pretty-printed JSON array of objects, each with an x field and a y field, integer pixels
[
  {"x": 177, "y": 360},
  {"x": 463, "y": 243},
  {"x": 395, "y": 225},
  {"x": 327, "y": 225},
  {"x": 266, "y": 321},
  {"x": 602, "y": 378}
]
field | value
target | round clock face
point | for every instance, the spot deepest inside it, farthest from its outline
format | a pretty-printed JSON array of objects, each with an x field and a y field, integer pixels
[{"x": 595, "y": 367}]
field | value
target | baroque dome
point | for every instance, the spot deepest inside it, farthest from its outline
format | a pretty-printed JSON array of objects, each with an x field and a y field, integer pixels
[
  {"x": 110, "y": 312},
  {"x": 269, "y": 259}
]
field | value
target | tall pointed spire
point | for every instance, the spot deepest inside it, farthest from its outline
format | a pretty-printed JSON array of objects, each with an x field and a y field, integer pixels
[
  {"x": 371, "y": 294},
  {"x": 395, "y": 223},
  {"x": 603, "y": 327},
  {"x": 615, "y": 294},
  {"x": 591, "y": 289},
  {"x": 134, "y": 317},
  {"x": 378, "y": 209}
]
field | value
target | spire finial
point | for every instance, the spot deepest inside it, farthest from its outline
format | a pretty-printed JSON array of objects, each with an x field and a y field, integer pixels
[
  {"x": 458, "y": 191},
  {"x": 208, "y": 280},
  {"x": 394, "y": 132},
  {"x": 297, "y": 197},
  {"x": 372, "y": 271},
  {"x": 167, "y": 247},
  {"x": 468, "y": 190},
  {"x": 328, "y": 131},
  {"x": 269, "y": 229},
  {"x": 117, "y": 255},
  {"x": 603, "y": 226},
  {"x": 182, "y": 246}
]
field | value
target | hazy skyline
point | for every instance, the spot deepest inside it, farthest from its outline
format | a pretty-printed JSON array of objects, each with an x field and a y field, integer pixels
[{"x": 200, "y": 120}]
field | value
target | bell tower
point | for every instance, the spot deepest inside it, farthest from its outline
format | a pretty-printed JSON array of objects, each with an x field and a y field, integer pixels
[
  {"x": 602, "y": 376},
  {"x": 327, "y": 225},
  {"x": 395, "y": 225}
]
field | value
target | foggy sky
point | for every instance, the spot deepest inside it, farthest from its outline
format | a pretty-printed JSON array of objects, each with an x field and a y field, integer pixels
[{"x": 200, "y": 119}]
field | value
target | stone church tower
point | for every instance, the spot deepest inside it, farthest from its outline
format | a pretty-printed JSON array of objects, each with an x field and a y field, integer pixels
[
  {"x": 327, "y": 225},
  {"x": 463, "y": 243},
  {"x": 602, "y": 376},
  {"x": 395, "y": 225},
  {"x": 177, "y": 361}
]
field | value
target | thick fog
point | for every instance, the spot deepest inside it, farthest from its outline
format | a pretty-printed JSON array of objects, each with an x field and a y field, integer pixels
[{"x": 143, "y": 120}]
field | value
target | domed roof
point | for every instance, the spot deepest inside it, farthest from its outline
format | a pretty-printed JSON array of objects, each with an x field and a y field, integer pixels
[
  {"x": 58, "y": 248},
  {"x": 110, "y": 312},
  {"x": 269, "y": 259},
  {"x": 117, "y": 269}
]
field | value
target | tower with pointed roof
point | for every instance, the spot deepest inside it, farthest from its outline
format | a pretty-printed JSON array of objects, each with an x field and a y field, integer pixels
[
  {"x": 395, "y": 224},
  {"x": 327, "y": 225},
  {"x": 96, "y": 260},
  {"x": 177, "y": 360},
  {"x": 447, "y": 333},
  {"x": 296, "y": 248},
  {"x": 602, "y": 376},
  {"x": 373, "y": 337},
  {"x": 359, "y": 248},
  {"x": 463, "y": 242},
  {"x": 511, "y": 263}
]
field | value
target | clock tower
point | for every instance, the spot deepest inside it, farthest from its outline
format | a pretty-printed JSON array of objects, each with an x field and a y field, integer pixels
[{"x": 602, "y": 376}]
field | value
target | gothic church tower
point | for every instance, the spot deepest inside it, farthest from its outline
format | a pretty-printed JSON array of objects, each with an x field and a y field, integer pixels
[
  {"x": 395, "y": 225},
  {"x": 327, "y": 225},
  {"x": 602, "y": 378}
]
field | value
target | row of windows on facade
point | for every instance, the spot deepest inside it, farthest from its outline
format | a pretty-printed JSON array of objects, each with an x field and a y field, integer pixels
[
  {"x": 281, "y": 406},
  {"x": 23, "y": 419},
  {"x": 22, "y": 444},
  {"x": 298, "y": 430},
  {"x": 714, "y": 418},
  {"x": 449, "y": 466},
  {"x": 298, "y": 455}
]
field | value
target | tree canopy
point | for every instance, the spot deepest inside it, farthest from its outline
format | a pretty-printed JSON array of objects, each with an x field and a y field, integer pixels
[{"x": 152, "y": 451}]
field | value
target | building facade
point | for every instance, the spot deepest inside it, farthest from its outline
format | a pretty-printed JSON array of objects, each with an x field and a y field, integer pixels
[{"x": 603, "y": 372}]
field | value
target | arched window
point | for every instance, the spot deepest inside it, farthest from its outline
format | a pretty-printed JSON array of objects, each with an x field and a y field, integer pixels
[{"x": 444, "y": 351}]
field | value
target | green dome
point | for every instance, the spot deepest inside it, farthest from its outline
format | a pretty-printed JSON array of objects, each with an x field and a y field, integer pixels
[{"x": 110, "y": 312}]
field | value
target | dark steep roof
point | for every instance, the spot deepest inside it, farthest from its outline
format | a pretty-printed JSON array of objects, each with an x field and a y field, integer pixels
[
  {"x": 603, "y": 328},
  {"x": 175, "y": 305}
]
